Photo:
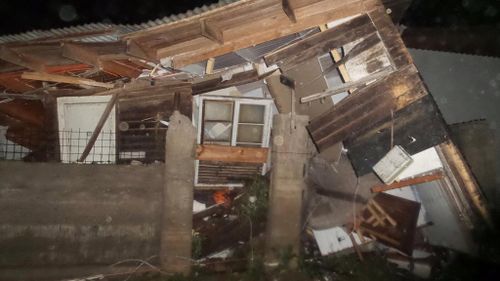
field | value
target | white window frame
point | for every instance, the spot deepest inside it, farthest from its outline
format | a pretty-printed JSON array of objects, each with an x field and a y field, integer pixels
[{"x": 238, "y": 101}]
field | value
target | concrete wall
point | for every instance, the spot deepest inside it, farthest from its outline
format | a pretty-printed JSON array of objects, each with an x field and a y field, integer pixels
[{"x": 67, "y": 214}]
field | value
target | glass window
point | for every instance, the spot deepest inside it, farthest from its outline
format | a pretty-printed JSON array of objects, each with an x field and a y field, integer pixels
[
  {"x": 218, "y": 122},
  {"x": 252, "y": 113}
]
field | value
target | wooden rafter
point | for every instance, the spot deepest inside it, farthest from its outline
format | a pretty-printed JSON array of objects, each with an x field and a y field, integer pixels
[
  {"x": 109, "y": 57},
  {"x": 65, "y": 79},
  {"x": 233, "y": 28},
  {"x": 14, "y": 56}
]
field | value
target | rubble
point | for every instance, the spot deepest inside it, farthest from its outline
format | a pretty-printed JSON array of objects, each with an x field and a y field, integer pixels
[{"x": 333, "y": 164}]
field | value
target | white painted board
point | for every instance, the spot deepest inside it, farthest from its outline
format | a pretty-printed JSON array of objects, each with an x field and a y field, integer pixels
[
  {"x": 78, "y": 117},
  {"x": 392, "y": 164},
  {"x": 423, "y": 162}
]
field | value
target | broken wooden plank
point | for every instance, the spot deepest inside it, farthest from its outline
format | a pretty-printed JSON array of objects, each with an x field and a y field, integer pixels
[
  {"x": 371, "y": 104},
  {"x": 349, "y": 85},
  {"x": 321, "y": 43},
  {"x": 408, "y": 182},
  {"x": 11, "y": 55},
  {"x": 39, "y": 76},
  {"x": 100, "y": 125},
  {"x": 391, "y": 38},
  {"x": 339, "y": 62},
  {"x": 216, "y": 82},
  {"x": 235, "y": 154}
]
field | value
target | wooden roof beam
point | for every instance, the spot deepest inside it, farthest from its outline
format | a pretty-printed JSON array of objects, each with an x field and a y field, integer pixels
[
  {"x": 242, "y": 21},
  {"x": 236, "y": 26},
  {"x": 300, "y": 9},
  {"x": 135, "y": 49},
  {"x": 288, "y": 10},
  {"x": 11, "y": 55},
  {"x": 65, "y": 79},
  {"x": 120, "y": 68},
  {"x": 183, "y": 38},
  {"x": 321, "y": 43},
  {"x": 105, "y": 57},
  {"x": 80, "y": 53}
]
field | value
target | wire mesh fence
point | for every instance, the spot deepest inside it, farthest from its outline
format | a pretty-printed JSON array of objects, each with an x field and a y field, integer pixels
[{"x": 68, "y": 146}]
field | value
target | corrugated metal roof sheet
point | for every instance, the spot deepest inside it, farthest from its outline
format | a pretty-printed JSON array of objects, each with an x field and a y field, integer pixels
[{"x": 116, "y": 30}]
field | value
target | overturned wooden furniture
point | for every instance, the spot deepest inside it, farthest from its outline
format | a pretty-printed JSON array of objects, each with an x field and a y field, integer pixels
[{"x": 390, "y": 220}]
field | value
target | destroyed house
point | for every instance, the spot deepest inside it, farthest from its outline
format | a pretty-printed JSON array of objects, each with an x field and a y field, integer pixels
[{"x": 321, "y": 95}]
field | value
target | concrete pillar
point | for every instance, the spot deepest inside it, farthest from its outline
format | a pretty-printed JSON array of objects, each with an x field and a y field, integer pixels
[
  {"x": 290, "y": 152},
  {"x": 177, "y": 217}
]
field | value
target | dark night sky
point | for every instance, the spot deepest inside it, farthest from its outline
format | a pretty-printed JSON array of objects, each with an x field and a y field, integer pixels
[{"x": 22, "y": 15}]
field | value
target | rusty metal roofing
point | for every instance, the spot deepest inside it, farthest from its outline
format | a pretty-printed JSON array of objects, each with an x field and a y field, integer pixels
[{"x": 112, "y": 31}]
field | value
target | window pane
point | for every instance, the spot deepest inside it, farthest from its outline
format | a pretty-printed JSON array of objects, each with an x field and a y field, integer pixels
[
  {"x": 217, "y": 131},
  {"x": 218, "y": 111},
  {"x": 252, "y": 113},
  {"x": 250, "y": 133}
]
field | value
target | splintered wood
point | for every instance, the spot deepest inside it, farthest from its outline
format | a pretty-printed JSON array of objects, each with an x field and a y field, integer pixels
[{"x": 321, "y": 43}]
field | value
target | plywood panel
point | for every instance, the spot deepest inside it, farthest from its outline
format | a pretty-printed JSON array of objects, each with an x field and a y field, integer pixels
[{"x": 366, "y": 107}]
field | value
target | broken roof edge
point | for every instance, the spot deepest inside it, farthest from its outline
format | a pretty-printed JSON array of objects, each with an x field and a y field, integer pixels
[
  {"x": 189, "y": 15},
  {"x": 448, "y": 52},
  {"x": 120, "y": 30}
]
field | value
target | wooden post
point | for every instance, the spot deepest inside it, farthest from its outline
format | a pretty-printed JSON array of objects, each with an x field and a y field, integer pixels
[
  {"x": 209, "y": 69},
  {"x": 100, "y": 125},
  {"x": 177, "y": 216}
]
